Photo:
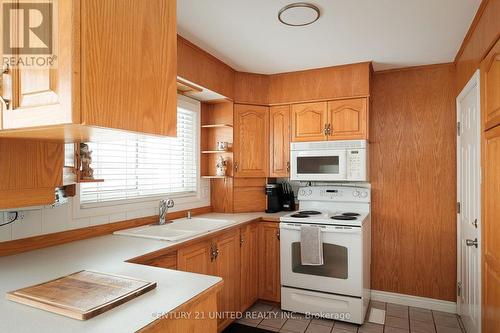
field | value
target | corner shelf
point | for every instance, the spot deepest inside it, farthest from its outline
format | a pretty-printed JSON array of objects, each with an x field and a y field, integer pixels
[
  {"x": 90, "y": 180},
  {"x": 217, "y": 126}
]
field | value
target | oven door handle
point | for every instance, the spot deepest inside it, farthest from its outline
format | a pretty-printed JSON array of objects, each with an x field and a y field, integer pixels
[{"x": 324, "y": 228}]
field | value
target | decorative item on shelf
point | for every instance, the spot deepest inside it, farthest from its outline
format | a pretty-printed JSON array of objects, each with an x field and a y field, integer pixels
[
  {"x": 221, "y": 166},
  {"x": 222, "y": 145},
  {"x": 86, "y": 172}
]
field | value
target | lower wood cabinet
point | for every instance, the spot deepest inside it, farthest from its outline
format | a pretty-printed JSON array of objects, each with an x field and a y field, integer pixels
[
  {"x": 249, "y": 277},
  {"x": 219, "y": 256},
  {"x": 269, "y": 265},
  {"x": 247, "y": 258}
]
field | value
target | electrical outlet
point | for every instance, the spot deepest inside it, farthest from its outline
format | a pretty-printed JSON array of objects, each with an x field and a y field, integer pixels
[{"x": 9, "y": 216}]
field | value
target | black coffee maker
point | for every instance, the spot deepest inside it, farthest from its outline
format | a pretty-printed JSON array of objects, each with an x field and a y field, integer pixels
[{"x": 274, "y": 194}]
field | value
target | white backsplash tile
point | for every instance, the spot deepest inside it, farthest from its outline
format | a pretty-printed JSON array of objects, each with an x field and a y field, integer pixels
[
  {"x": 117, "y": 217},
  {"x": 56, "y": 219},
  {"x": 79, "y": 223},
  {"x": 98, "y": 220},
  {"x": 31, "y": 225},
  {"x": 5, "y": 231}
]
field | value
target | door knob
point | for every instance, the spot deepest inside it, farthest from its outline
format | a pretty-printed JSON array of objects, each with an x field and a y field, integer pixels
[{"x": 470, "y": 242}]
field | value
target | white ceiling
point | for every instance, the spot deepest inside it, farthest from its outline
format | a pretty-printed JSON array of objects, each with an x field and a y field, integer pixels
[{"x": 247, "y": 35}]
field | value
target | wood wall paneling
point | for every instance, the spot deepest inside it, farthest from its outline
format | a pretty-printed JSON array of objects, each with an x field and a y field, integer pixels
[
  {"x": 482, "y": 34},
  {"x": 250, "y": 88},
  {"x": 200, "y": 67},
  {"x": 491, "y": 231},
  {"x": 320, "y": 84},
  {"x": 413, "y": 168}
]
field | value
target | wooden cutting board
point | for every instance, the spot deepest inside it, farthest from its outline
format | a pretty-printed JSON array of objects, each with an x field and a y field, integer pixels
[{"x": 81, "y": 295}]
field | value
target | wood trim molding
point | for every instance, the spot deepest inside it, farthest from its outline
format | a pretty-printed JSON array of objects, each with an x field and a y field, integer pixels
[
  {"x": 38, "y": 242},
  {"x": 472, "y": 28},
  {"x": 415, "y": 301},
  {"x": 411, "y": 68}
]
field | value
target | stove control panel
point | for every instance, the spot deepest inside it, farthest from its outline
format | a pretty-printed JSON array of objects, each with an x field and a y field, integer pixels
[{"x": 334, "y": 193}]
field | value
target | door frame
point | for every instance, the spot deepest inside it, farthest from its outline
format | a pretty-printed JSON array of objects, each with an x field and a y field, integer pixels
[{"x": 473, "y": 83}]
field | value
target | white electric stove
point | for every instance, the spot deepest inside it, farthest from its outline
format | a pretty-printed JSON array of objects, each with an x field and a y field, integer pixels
[{"x": 340, "y": 288}]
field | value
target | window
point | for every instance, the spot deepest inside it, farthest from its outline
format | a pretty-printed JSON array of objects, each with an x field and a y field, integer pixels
[{"x": 139, "y": 166}]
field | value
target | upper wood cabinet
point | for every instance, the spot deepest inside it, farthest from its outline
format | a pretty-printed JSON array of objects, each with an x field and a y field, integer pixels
[
  {"x": 347, "y": 119},
  {"x": 29, "y": 172},
  {"x": 490, "y": 73},
  {"x": 269, "y": 265},
  {"x": 107, "y": 74},
  {"x": 279, "y": 141},
  {"x": 249, "y": 285},
  {"x": 251, "y": 141},
  {"x": 309, "y": 121}
]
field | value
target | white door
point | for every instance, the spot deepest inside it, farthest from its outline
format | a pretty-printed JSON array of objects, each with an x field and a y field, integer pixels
[{"x": 469, "y": 199}]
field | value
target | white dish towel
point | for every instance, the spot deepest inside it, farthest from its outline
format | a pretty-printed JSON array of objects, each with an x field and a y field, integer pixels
[{"x": 311, "y": 246}]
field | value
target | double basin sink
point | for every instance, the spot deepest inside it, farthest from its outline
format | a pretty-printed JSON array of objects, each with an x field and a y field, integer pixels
[{"x": 177, "y": 230}]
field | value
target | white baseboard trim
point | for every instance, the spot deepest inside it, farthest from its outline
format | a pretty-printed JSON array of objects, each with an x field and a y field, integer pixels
[{"x": 416, "y": 301}]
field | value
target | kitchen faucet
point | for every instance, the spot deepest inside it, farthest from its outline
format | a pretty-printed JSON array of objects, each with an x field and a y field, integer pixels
[{"x": 165, "y": 204}]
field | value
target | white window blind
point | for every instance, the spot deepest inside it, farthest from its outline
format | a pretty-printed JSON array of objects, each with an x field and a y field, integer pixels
[{"x": 144, "y": 166}]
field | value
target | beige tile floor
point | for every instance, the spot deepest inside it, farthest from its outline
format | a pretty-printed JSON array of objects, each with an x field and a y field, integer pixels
[{"x": 398, "y": 319}]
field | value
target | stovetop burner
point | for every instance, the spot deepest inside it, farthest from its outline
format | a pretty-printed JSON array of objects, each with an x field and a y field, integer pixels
[
  {"x": 343, "y": 217},
  {"x": 351, "y": 214},
  {"x": 310, "y": 212},
  {"x": 299, "y": 215}
]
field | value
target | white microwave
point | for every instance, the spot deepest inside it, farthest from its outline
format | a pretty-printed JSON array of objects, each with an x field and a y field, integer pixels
[{"x": 329, "y": 161}]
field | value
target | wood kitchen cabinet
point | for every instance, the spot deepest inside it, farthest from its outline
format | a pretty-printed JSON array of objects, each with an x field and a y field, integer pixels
[
  {"x": 279, "y": 141},
  {"x": 249, "y": 285},
  {"x": 107, "y": 75},
  {"x": 219, "y": 256},
  {"x": 251, "y": 141},
  {"x": 345, "y": 119},
  {"x": 490, "y": 74},
  {"x": 197, "y": 258},
  {"x": 269, "y": 266},
  {"x": 29, "y": 172},
  {"x": 309, "y": 121}
]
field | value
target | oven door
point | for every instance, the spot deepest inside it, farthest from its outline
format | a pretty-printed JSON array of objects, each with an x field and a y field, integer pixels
[
  {"x": 321, "y": 165},
  {"x": 342, "y": 270}
]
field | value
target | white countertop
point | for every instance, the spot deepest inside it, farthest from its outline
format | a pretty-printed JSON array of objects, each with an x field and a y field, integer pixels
[{"x": 106, "y": 254}]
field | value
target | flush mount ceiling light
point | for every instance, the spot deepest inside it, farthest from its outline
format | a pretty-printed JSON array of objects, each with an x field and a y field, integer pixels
[{"x": 299, "y": 14}]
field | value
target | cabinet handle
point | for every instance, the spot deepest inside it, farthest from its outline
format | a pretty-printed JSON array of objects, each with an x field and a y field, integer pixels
[
  {"x": 212, "y": 253},
  {"x": 287, "y": 166},
  {"x": 325, "y": 129},
  {"x": 242, "y": 240},
  {"x": 236, "y": 166},
  {"x": 329, "y": 129},
  {"x": 278, "y": 234}
]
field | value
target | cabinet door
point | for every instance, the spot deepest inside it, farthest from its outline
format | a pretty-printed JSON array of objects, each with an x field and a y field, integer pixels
[
  {"x": 196, "y": 258},
  {"x": 279, "y": 137},
  {"x": 348, "y": 119},
  {"x": 227, "y": 266},
  {"x": 29, "y": 172},
  {"x": 490, "y": 72},
  {"x": 251, "y": 140},
  {"x": 129, "y": 65},
  {"x": 269, "y": 265},
  {"x": 41, "y": 93},
  {"x": 309, "y": 121},
  {"x": 491, "y": 231},
  {"x": 249, "y": 239}
]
